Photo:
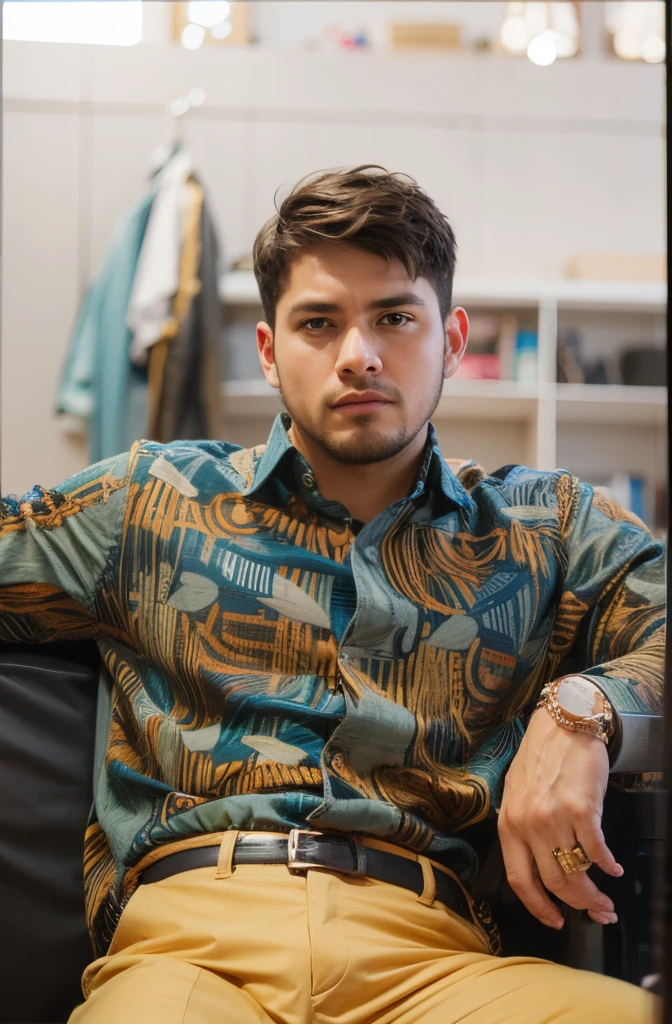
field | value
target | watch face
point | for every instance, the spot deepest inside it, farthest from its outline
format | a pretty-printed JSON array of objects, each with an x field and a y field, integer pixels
[{"x": 577, "y": 697}]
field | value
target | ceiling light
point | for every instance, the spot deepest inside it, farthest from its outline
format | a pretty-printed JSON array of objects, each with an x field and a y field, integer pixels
[
  {"x": 653, "y": 50},
  {"x": 192, "y": 37},
  {"x": 638, "y": 30},
  {"x": 545, "y": 31},
  {"x": 513, "y": 34},
  {"x": 627, "y": 44},
  {"x": 542, "y": 49},
  {"x": 51, "y": 21},
  {"x": 222, "y": 31}
]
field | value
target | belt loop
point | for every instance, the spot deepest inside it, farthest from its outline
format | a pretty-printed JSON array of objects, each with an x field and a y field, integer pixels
[
  {"x": 428, "y": 894},
  {"x": 225, "y": 859}
]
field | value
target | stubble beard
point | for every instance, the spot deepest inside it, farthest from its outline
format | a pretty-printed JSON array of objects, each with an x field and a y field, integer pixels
[{"x": 365, "y": 447}]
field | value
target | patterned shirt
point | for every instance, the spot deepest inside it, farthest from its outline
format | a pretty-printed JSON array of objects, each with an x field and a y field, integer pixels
[{"x": 270, "y": 665}]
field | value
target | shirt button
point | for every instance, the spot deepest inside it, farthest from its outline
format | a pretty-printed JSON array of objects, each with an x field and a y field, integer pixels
[{"x": 308, "y": 481}]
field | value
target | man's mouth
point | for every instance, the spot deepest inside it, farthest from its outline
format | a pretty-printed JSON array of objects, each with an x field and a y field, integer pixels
[{"x": 360, "y": 402}]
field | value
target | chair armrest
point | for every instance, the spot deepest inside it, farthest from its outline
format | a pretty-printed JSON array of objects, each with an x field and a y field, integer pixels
[{"x": 641, "y": 746}]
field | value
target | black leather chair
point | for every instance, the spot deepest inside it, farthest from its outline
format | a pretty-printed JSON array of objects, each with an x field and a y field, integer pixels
[
  {"x": 47, "y": 718},
  {"x": 48, "y": 699}
]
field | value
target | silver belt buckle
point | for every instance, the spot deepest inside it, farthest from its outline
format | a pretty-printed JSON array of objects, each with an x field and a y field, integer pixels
[
  {"x": 293, "y": 862},
  {"x": 296, "y": 865}
]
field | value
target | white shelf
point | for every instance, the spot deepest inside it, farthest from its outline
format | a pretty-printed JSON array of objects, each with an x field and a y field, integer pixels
[
  {"x": 611, "y": 403},
  {"x": 488, "y": 400},
  {"x": 612, "y": 296},
  {"x": 239, "y": 288}
]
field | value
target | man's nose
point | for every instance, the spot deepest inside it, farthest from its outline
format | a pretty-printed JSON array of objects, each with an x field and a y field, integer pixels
[{"x": 358, "y": 355}]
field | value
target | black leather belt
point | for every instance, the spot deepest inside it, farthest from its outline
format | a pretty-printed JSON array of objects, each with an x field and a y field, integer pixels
[{"x": 303, "y": 849}]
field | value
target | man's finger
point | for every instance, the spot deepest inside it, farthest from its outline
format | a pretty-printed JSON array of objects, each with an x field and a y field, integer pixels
[
  {"x": 592, "y": 840},
  {"x": 575, "y": 889},
  {"x": 523, "y": 879}
]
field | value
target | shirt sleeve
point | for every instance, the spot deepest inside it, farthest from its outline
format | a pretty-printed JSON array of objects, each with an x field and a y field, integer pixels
[
  {"x": 612, "y": 609},
  {"x": 54, "y": 549}
]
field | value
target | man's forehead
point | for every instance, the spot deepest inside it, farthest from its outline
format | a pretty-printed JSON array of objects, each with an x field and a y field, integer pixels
[{"x": 330, "y": 265}]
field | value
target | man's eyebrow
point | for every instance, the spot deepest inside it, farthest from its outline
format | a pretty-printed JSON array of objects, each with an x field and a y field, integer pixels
[
  {"x": 315, "y": 307},
  {"x": 405, "y": 299}
]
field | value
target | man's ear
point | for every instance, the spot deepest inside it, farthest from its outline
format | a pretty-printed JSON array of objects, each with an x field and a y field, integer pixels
[
  {"x": 267, "y": 354},
  {"x": 457, "y": 335}
]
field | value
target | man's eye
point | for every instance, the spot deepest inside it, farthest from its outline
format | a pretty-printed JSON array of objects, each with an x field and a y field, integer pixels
[
  {"x": 395, "y": 319},
  {"x": 317, "y": 323}
]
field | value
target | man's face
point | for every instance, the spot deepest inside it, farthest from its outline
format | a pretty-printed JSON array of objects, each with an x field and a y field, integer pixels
[{"x": 359, "y": 352}]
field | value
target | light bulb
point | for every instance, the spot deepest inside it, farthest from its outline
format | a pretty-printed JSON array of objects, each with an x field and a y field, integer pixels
[
  {"x": 193, "y": 36},
  {"x": 627, "y": 45},
  {"x": 207, "y": 13},
  {"x": 565, "y": 46},
  {"x": 542, "y": 49},
  {"x": 222, "y": 31},
  {"x": 513, "y": 34},
  {"x": 653, "y": 50}
]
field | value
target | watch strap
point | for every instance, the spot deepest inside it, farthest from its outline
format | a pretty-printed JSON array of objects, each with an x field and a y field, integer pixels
[{"x": 600, "y": 725}]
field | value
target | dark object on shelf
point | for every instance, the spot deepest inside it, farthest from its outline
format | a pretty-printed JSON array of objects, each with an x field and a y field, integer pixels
[
  {"x": 570, "y": 361},
  {"x": 595, "y": 372},
  {"x": 644, "y": 366}
]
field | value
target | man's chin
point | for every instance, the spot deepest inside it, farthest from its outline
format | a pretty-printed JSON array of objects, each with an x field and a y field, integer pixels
[{"x": 364, "y": 450}]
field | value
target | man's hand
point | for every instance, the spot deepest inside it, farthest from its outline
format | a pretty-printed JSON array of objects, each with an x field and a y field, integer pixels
[{"x": 553, "y": 797}]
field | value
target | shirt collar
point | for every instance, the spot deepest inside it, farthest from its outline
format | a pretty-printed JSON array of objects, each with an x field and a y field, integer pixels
[{"x": 279, "y": 445}]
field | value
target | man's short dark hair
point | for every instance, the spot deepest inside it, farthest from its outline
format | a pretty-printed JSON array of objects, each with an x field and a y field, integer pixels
[{"x": 384, "y": 213}]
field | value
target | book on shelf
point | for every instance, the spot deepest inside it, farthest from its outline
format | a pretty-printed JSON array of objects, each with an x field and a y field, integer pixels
[{"x": 499, "y": 350}]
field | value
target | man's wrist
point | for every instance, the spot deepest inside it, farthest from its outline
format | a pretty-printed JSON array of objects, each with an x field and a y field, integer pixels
[{"x": 578, "y": 704}]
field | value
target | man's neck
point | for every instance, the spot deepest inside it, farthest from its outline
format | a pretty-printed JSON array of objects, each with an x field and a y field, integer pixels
[{"x": 365, "y": 490}]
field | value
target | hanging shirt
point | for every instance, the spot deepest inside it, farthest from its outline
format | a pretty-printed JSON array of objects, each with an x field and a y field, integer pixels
[
  {"x": 157, "y": 277},
  {"x": 272, "y": 666},
  {"x": 98, "y": 380}
]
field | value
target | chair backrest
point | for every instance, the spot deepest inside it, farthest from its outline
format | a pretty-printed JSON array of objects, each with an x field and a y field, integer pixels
[{"x": 47, "y": 722}]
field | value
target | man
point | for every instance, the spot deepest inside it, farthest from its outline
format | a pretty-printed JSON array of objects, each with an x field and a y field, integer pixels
[{"x": 326, "y": 655}]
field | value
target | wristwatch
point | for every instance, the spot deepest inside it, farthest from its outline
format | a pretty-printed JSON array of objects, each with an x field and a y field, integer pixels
[{"x": 578, "y": 704}]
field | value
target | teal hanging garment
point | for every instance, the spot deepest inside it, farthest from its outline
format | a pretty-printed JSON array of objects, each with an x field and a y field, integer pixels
[{"x": 99, "y": 380}]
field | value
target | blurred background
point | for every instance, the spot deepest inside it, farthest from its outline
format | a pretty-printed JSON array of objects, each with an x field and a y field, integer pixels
[{"x": 144, "y": 144}]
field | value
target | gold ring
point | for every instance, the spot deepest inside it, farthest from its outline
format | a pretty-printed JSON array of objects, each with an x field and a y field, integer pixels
[{"x": 573, "y": 859}]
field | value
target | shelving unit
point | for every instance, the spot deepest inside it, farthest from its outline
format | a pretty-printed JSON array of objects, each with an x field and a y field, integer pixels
[{"x": 591, "y": 429}]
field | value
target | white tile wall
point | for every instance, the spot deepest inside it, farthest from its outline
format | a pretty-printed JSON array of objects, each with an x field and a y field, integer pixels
[
  {"x": 159, "y": 74},
  {"x": 119, "y": 159},
  {"x": 280, "y": 156},
  {"x": 40, "y": 294},
  {"x": 225, "y": 169},
  {"x": 547, "y": 195},
  {"x": 38, "y": 70}
]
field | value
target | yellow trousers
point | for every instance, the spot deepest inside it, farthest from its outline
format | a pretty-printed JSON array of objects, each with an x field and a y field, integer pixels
[{"x": 263, "y": 946}]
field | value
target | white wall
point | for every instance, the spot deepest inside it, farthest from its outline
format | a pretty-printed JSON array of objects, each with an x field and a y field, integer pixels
[{"x": 531, "y": 164}]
